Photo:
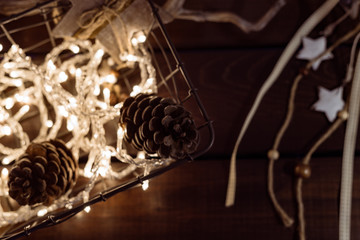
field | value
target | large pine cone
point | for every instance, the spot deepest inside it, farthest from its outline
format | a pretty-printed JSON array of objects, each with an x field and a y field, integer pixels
[
  {"x": 158, "y": 125},
  {"x": 46, "y": 171}
]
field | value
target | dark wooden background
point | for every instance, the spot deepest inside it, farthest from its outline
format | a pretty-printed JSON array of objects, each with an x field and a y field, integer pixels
[{"x": 228, "y": 67}]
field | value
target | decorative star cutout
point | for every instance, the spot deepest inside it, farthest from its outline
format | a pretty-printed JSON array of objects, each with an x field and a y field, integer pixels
[
  {"x": 312, "y": 48},
  {"x": 330, "y": 102}
]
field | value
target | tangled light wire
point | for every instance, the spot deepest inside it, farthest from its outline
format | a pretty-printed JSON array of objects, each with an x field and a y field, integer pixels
[{"x": 84, "y": 108}]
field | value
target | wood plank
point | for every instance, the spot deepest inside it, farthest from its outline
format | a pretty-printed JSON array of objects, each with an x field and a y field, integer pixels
[
  {"x": 228, "y": 81},
  {"x": 188, "y": 203}
]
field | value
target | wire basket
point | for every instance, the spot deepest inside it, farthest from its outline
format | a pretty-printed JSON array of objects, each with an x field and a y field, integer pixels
[{"x": 30, "y": 55}]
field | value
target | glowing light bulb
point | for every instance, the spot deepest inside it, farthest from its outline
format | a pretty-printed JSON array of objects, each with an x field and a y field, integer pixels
[
  {"x": 63, "y": 77},
  {"x": 131, "y": 58},
  {"x": 135, "y": 91},
  {"x": 4, "y": 173},
  {"x": 5, "y": 161},
  {"x": 141, "y": 155},
  {"x": 72, "y": 70},
  {"x": 62, "y": 111},
  {"x": 97, "y": 90},
  {"x": 145, "y": 185},
  {"x": 120, "y": 132},
  {"x": 49, "y": 123},
  {"x": 14, "y": 48},
  {"x": 9, "y": 65},
  {"x": 1, "y": 47},
  {"x": 42, "y": 212},
  {"x": 51, "y": 66},
  {"x": 69, "y": 125},
  {"x": 87, "y": 172},
  {"x": 106, "y": 93},
  {"x": 141, "y": 38},
  {"x": 110, "y": 78},
  {"x": 9, "y": 103},
  {"x": 17, "y": 82},
  {"x": 87, "y": 209},
  {"x": 6, "y": 130},
  {"x": 24, "y": 109},
  {"x": 78, "y": 72},
  {"x": 99, "y": 53},
  {"x": 72, "y": 122},
  {"x": 74, "y": 48},
  {"x": 72, "y": 102},
  {"x": 48, "y": 88},
  {"x": 14, "y": 74},
  {"x": 150, "y": 81},
  {"x": 102, "y": 171},
  {"x": 134, "y": 41}
]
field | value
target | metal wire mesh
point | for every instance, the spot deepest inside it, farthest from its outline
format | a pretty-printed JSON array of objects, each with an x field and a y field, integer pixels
[{"x": 172, "y": 81}]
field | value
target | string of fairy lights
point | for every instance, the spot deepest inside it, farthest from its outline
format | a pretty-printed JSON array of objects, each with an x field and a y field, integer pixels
[{"x": 84, "y": 108}]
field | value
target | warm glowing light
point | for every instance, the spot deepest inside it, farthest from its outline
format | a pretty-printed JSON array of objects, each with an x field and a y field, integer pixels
[
  {"x": 1, "y": 47},
  {"x": 17, "y": 82},
  {"x": 72, "y": 70},
  {"x": 141, "y": 155},
  {"x": 63, "y": 77},
  {"x": 145, "y": 185},
  {"x": 102, "y": 171},
  {"x": 87, "y": 209},
  {"x": 62, "y": 111},
  {"x": 110, "y": 78},
  {"x": 5, "y": 161},
  {"x": 97, "y": 90},
  {"x": 134, "y": 41},
  {"x": 9, "y": 103},
  {"x": 4, "y": 173},
  {"x": 106, "y": 93},
  {"x": 14, "y": 48},
  {"x": 135, "y": 91},
  {"x": 120, "y": 132},
  {"x": 78, "y": 72},
  {"x": 49, "y": 123},
  {"x": 48, "y": 88},
  {"x": 9, "y": 65},
  {"x": 14, "y": 74},
  {"x": 72, "y": 122},
  {"x": 6, "y": 130},
  {"x": 69, "y": 125},
  {"x": 51, "y": 66},
  {"x": 131, "y": 58},
  {"x": 72, "y": 102},
  {"x": 42, "y": 212},
  {"x": 74, "y": 48},
  {"x": 99, "y": 53},
  {"x": 24, "y": 109}
]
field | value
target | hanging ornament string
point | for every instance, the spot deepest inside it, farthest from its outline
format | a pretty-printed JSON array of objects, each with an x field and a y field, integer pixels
[
  {"x": 273, "y": 154},
  {"x": 290, "y": 49},
  {"x": 304, "y": 165},
  {"x": 302, "y": 170},
  {"x": 348, "y": 156}
]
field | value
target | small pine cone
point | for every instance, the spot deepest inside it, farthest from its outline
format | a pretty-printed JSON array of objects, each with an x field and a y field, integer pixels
[
  {"x": 158, "y": 125},
  {"x": 43, "y": 173}
]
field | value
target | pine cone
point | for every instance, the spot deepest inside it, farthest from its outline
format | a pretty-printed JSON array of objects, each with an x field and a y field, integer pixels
[
  {"x": 43, "y": 173},
  {"x": 158, "y": 125}
]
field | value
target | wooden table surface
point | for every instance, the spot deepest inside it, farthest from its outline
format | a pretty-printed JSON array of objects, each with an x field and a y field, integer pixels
[
  {"x": 188, "y": 203},
  {"x": 228, "y": 67}
]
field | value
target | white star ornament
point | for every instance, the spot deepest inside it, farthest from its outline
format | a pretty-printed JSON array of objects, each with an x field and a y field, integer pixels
[
  {"x": 330, "y": 102},
  {"x": 312, "y": 48}
]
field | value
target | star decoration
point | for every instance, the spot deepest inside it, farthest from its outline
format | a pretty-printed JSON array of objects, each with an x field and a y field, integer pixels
[
  {"x": 330, "y": 102},
  {"x": 312, "y": 48}
]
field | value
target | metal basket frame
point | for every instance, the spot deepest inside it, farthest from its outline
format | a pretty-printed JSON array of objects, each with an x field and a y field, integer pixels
[{"x": 53, "y": 219}]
